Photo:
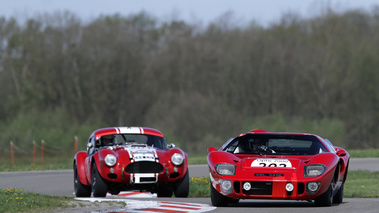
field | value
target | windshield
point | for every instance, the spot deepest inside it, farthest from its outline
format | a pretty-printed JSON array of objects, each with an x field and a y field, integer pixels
[
  {"x": 133, "y": 139},
  {"x": 270, "y": 144}
]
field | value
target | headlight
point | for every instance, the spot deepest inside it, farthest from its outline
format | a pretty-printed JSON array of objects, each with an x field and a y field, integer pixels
[
  {"x": 314, "y": 170},
  {"x": 225, "y": 169},
  {"x": 226, "y": 186},
  {"x": 110, "y": 160},
  {"x": 177, "y": 159}
]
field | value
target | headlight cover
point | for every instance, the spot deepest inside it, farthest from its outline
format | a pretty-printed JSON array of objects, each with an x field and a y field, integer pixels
[
  {"x": 314, "y": 170},
  {"x": 177, "y": 159},
  {"x": 110, "y": 160},
  {"x": 225, "y": 169}
]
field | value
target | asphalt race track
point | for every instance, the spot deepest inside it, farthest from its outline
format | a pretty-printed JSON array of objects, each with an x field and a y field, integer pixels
[{"x": 60, "y": 183}]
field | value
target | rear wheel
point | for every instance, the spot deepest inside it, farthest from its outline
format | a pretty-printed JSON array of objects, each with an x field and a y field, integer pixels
[
  {"x": 99, "y": 187},
  {"x": 218, "y": 199},
  {"x": 80, "y": 189},
  {"x": 181, "y": 187}
]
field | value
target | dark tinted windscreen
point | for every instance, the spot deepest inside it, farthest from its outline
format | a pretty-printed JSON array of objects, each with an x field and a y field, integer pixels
[
  {"x": 269, "y": 144},
  {"x": 130, "y": 139}
]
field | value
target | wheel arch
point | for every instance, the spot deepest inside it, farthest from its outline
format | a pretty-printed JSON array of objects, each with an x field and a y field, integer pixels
[{"x": 79, "y": 161}]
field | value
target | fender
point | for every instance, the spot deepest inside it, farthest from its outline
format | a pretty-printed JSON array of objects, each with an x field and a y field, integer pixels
[
  {"x": 80, "y": 166},
  {"x": 184, "y": 165},
  {"x": 98, "y": 159}
]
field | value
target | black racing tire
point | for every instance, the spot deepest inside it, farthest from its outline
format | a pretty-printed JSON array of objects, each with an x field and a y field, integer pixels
[
  {"x": 338, "y": 198},
  {"x": 218, "y": 199},
  {"x": 181, "y": 187},
  {"x": 325, "y": 199},
  {"x": 164, "y": 190},
  {"x": 235, "y": 201},
  {"x": 116, "y": 192},
  {"x": 80, "y": 189},
  {"x": 99, "y": 186}
]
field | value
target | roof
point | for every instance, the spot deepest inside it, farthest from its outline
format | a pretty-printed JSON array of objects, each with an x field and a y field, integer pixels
[
  {"x": 261, "y": 131},
  {"x": 126, "y": 130}
]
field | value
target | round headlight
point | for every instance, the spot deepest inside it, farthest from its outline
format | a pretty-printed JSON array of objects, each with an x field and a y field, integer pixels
[
  {"x": 226, "y": 186},
  {"x": 177, "y": 159},
  {"x": 110, "y": 160}
]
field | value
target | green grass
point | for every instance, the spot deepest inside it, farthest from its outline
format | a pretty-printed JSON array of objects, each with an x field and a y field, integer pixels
[
  {"x": 26, "y": 164},
  {"x": 197, "y": 159},
  {"x": 362, "y": 184},
  {"x": 199, "y": 187},
  {"x": 364, "y": 153},
  {"x": 16, "y": 200}
]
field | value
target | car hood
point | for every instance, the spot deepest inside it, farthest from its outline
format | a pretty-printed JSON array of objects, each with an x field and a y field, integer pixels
[{"x": 138, "y": 153}]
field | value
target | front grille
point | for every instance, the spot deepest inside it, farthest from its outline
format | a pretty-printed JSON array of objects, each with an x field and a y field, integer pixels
[
  {"x": 237, "y": 187},
  {"x": 300, "y": 188},
  {"x": 259, "y": 188},
  {"x": 144, "y": 167}
]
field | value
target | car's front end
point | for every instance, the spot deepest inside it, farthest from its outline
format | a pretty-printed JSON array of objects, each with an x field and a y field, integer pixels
[
  {"x": 130, "y": 158},
  {"x": 139, "y": 166},
  {"x": 240, "y": 180}
]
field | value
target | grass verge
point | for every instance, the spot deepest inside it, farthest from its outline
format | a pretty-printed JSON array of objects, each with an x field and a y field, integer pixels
[
  {"x": 362, "y": 184},
  {"x": 16, "y": 200}
]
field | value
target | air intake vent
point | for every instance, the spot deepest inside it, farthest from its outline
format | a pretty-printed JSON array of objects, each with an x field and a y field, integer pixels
[{"x": 144, "y": 167}]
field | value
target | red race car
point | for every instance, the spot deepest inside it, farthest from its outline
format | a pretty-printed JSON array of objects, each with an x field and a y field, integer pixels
[
  {"x": 130, "y": 158},
  {"x": 275, "y": 165}
]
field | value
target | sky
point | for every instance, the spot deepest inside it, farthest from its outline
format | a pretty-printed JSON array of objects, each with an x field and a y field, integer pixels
[{"x": 263, "y": 12}]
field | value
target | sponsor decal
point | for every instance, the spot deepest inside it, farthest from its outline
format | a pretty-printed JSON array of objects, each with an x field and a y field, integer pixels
[{"x": 271, "y": 162}]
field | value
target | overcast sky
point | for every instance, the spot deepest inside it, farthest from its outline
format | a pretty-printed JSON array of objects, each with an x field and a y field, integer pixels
[{"x": 262, "y": 11}]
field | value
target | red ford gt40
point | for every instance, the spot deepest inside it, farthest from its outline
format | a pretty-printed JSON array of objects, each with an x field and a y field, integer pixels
[
  {"x": 130, "y": 158},
  {"x": 273, "y": 165}
]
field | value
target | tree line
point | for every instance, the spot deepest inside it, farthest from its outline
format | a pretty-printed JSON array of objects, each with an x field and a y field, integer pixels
[{"x": 199, "y": 84}]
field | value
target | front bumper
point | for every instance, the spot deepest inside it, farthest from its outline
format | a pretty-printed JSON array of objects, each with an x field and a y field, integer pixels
[
  {"x": 270, "y": 186},
  {"x": 143, "y": 172}
]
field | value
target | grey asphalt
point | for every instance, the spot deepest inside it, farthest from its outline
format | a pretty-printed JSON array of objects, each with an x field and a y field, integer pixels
[{"x": 60, "y": 183}]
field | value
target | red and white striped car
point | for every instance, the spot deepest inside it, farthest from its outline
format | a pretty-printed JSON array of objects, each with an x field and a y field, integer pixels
[{"x": 130, "y": 158}]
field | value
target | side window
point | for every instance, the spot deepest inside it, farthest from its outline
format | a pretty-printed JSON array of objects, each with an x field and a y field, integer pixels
[
  {"x": 91, "y": 148},
  {"x": 329, "y": 145}
]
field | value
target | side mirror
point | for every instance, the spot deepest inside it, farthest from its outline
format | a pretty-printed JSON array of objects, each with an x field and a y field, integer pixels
[
  {"x": 211, "y": 149},
  {"x": 89, "y": 145},
  {"x": 171, "y": 145},
  {"x": 340, "y": 152}
]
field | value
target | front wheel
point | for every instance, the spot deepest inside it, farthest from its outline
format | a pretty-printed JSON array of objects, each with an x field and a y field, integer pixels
[
  {"x": 99, "y": 187},
  {"x": 181, "y": 187},
  {"x": 338, "y": 198},
  {"x": 164, "y": 190},
  {"x": 80, "y": 189},
  {"x": 325, "y": 199},
  {"x": 218, "y": 199}
]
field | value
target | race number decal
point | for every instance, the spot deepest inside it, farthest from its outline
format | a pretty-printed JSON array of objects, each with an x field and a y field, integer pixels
[{"x": 270, "y": 162}]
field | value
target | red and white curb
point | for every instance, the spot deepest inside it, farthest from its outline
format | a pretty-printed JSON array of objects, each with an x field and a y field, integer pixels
[
  {"x": 134, "y": 194},
  {"x": 145, "y": 206}
]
